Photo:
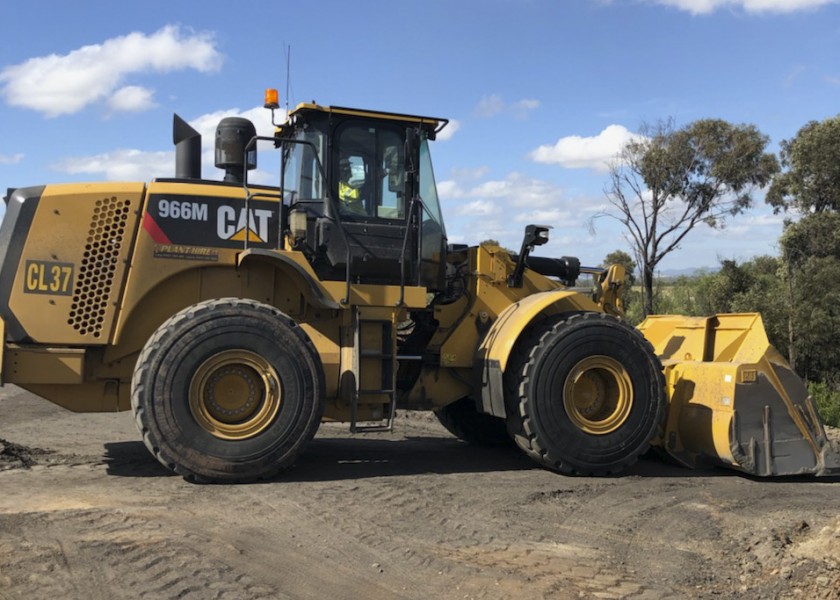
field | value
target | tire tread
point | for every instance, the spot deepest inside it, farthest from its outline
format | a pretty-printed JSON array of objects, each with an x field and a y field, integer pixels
[
  {"x": 177, "y": 326},
  {"x": 518, "y": 377}
]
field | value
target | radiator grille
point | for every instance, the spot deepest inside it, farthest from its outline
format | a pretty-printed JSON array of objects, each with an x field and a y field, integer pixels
[{"x": 98, "y": 265}]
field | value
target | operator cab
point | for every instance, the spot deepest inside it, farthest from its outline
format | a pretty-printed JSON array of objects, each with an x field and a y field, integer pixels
[{"x": 359, "y": 195}]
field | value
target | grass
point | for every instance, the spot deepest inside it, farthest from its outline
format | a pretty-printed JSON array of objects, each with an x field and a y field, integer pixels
[{"x": 827, "y": 398}]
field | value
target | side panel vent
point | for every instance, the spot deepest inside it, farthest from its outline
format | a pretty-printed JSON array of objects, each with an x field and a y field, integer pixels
[{"x": 99, "y": 265}]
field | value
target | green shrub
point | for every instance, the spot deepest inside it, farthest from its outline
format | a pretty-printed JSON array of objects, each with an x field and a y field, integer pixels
[{"x": 827, "y": 399}]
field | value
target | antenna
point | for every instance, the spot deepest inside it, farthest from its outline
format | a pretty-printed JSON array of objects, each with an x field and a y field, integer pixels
[{"x": 288, "y": 74}]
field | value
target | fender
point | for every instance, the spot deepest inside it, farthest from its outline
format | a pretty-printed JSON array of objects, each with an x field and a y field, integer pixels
[
  {"x": 302, "y": 275},
  {"x": 496, "y": 347},
  {"x": 182, "y": 289}
]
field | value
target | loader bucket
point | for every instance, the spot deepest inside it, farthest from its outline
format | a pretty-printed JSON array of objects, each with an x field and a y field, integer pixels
[{"x": 734, "y": 400}]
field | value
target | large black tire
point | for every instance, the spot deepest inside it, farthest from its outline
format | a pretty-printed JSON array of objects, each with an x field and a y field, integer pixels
[
  {"x": 463, "y": 421},
  {"x": 585, "y": 394},
  {"x": 228, "y": 390}
]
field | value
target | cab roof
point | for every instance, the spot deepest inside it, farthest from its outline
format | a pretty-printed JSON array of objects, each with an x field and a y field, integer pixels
[{"x": 306, "y": 110}]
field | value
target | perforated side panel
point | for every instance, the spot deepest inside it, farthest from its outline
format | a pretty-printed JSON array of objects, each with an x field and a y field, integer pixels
[{"x": 98, "y": 266}]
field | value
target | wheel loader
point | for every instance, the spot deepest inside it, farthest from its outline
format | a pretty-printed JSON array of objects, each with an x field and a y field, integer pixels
[{"x": 234, "y": 318}]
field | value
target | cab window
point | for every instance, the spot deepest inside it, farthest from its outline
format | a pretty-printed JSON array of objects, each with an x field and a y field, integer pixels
[
  {"x": 371, "y": 172},
  {"x": 303, "y": 181}
]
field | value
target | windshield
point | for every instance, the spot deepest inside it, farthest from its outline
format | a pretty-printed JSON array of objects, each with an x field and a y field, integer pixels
[
  {"x": 428, "y": 189},
  {"x": 433, "y": 252}
]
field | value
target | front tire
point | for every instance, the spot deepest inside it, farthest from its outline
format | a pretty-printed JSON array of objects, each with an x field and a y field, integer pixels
[
  {"x": 228, "y": 390},
  {"x": 584, "y": 394}
]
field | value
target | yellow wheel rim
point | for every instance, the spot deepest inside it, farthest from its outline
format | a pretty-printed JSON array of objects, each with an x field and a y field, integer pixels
[
  {"x": 235, "y": 395},
  {"x": 598, "y": 395}
]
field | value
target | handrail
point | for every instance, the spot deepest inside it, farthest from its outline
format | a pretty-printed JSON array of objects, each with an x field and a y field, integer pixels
[
  {"x": 410, "y": 214},
  {"x": 333, "y": 201}
]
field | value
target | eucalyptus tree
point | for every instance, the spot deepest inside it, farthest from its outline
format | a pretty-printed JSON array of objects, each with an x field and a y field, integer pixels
[{"x": 667, "y": 181}]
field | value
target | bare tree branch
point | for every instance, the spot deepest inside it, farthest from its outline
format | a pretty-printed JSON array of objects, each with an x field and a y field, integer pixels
[{"x": 668, "y": 181}]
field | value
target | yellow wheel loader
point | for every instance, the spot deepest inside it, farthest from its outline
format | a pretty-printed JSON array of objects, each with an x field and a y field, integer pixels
[{"x": 233, "y": 319}]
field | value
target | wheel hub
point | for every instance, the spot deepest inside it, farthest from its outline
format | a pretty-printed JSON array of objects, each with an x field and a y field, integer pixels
[
  {"x": 598, "y": 395},
  {"x": 235, "y": 394}
]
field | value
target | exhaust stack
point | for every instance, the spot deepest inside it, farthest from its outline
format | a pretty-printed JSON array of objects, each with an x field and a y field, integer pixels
[{"x": 187, "y": 149}]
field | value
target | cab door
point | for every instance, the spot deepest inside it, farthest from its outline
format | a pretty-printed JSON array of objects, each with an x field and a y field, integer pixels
[{"x": 369, "y": 181}]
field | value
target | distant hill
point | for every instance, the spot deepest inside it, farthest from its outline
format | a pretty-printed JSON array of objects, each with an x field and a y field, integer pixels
[{"x": 687, "y": 272}]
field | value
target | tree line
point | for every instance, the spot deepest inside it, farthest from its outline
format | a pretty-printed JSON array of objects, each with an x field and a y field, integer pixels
[{"x": 667, "y": 181}]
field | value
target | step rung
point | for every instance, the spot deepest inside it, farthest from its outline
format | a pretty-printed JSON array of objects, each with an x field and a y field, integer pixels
[
  {"x": 371, "y": 428},
  {"x": 374, "y": 340},
  {"x": 375, "y": 354}
]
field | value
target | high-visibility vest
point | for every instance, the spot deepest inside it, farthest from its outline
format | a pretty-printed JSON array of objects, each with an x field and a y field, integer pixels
[{"x": 349, "y": 197}]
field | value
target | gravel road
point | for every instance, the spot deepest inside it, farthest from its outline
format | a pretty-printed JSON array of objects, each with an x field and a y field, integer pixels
[{"x": 86, "y": 513}]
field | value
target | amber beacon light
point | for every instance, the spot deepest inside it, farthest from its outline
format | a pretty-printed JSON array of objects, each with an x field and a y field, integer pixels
[{"x": 271, "y": 99}]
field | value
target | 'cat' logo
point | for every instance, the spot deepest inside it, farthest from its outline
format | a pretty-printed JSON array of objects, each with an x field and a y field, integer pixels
[
  {"x": 235, "y": 225},
  {"x": 193, "y": 220}
]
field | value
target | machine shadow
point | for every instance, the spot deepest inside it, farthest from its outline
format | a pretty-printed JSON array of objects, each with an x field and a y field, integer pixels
[
  {"x": 341, "y": 458},
  {"x": 132, "y": 459}
]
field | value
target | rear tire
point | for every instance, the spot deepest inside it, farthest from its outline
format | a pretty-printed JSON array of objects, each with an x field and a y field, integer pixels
[
  {"x": 584, "y": 394},
  {"x": 463, "y": 421},
  {"x": 228, "y": 390}
]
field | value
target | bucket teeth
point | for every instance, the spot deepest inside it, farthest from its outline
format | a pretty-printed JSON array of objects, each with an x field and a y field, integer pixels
[{"x": 830, "y": 461}]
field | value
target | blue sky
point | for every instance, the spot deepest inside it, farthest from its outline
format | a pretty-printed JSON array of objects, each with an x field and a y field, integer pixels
[{"x": 540, "y": 92}]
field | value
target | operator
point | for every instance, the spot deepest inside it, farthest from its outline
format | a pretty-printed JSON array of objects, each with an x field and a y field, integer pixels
[{"x": 349, "y": 189}]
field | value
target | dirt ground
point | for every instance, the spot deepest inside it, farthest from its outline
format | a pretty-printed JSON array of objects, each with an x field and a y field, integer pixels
[{"x": 87, "y": 513}]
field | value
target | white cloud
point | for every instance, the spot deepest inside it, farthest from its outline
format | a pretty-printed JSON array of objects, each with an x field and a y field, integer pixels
[
  {"x": 478, "y": 208},
  {"x": 122, "y": 165},
  {"x": 492, "y": 105},
  {"x": 488, "y": 227},
  {"x": 705, "y": 7},
  {"x": 132, "y": 98},
  {"x": 447, "y": 132},
  {"x": 259, "y": 116},
  {"x": 516, "y": 190},
  {"x": 206, "y": 125},
  {"x": 65, "y": 84},
  {"x": 528, "y": 192},
  {"x": 755, "y": 225},
  {"x": 141, "y": 165},
  {"x": 545, "y": 216},
  {"x": 522, "y": 108},
  {"x": 793, "y": 75},
  {"x": 11, "y": 159},
  {"x": 767, "y": 220},
  {"x": 495, "y": 189},
  {"x": 462, "y": 174},
  {"x": 500, "y": 208},
  {"x": 489, "y": 106},
  {"x": 576, "y": 152},
  {"x": 449, "y": 189}
]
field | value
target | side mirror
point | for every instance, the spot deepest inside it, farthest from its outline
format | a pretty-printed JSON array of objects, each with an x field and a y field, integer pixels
[{"x": 535, "y": 235}]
